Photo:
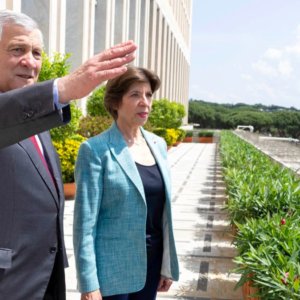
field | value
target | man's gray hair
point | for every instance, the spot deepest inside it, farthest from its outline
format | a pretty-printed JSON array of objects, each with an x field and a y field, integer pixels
[{"x": 16, "y": 18}]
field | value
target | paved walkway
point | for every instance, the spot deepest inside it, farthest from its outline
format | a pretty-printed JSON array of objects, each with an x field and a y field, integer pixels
[{"x": 202, "y": 232}]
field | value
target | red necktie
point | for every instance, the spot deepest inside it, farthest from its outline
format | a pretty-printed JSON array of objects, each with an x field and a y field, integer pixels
[{"x": 37, "y": 147}]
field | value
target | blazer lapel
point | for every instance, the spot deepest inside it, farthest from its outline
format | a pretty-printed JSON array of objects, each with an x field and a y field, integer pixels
[
  {"x": 121, "y": 153},
  {"x": 36, "y": 160}
]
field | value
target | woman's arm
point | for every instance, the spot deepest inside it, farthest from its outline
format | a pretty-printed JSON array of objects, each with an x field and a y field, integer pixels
[{"x": 88, "y": 177}]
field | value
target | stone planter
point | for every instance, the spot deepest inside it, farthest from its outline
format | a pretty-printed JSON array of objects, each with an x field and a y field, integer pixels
[
  {"x": 69, "y": 190},
  {"x": 206, "y": 139},
  {"x": 249, "y": 290},
  {"x": 188, "y": 139}
]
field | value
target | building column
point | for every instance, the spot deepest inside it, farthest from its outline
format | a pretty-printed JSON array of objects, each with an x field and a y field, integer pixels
[
  {"x": 57, "y": 26},
  {"x": 88, "y": 29},
  {"x": 168, "y": 63},
  {"x": 172, "y": 69},
  {"x": 164, "y": 59},
  {"x": 134, "y": 23},
  {"x": 121, "y": 21},
  {"x": 144, "y": 33},
  {"x": 158, "y": 47},
  {"x": 14, "y": 5},
  {"x": 152, "y": 35}
]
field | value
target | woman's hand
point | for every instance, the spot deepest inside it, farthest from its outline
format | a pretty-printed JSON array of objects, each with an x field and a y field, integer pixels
[
  {"x": 164, "y": 284},
  {"x": 95, "y": 295}
]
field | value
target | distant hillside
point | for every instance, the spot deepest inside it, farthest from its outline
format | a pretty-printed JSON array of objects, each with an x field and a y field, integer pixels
[
  {"x": 275, "y": 120},
  {"x": 255, "y": 107}
]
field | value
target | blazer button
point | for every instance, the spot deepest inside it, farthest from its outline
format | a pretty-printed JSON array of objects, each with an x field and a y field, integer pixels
[
  {"x": 28, "y": 114},
  {"x": 52, "y": 250}
]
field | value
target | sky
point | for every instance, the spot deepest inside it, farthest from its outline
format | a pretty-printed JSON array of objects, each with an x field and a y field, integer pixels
[{"x": 246, "y": 51}]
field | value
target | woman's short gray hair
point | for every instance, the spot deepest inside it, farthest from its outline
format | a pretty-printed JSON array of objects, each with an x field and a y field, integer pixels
[{"x": 11, "y": 17}]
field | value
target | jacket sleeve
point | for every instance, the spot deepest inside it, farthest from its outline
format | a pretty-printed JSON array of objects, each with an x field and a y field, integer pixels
[
  {"x": 28, "y": 111},
  {"x": 89, "y": 189}
]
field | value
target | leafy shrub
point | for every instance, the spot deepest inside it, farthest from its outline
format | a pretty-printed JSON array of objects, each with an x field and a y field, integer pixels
[
  {"x": 169, "y": 135},
  {"x": 162, "y": 132},
  {"x": 148, "y": 126},
  {"x": 90, "y": 126},
  {"x": 180, "y": 134},
  {"x": 67, "y": 150},
  {"x": 54, "y": 67},
  {"x": 189, "y": 133},
  {"x": 70, "y": 129},
  {"x": 64, "y": 138},
  {"x": 95, "y": 103},
  {"x": 269, "y": 253},
  {"x": 205, "y": 133},
  {"x": 256, "y": 186},
  {"x": 166, "y": 114},
  {"x": 264, "y": 203}
]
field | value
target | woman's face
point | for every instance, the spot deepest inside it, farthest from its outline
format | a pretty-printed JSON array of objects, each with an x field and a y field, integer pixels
[{"x": 135, "y": 106}]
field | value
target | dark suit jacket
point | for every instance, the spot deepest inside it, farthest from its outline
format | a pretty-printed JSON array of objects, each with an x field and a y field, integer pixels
[
  {"x": 27, "y": 111},
  {"x": 31, "y": 207}
]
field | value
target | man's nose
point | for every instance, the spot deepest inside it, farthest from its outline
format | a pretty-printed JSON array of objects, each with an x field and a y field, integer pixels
[{"x": 28, "y": 60}]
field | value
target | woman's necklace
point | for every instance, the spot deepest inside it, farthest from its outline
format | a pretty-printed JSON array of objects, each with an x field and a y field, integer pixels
[{"x": 138, "y": 141}]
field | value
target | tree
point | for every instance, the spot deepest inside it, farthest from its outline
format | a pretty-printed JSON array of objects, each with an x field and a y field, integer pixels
[{"x": 201, "y": 114}]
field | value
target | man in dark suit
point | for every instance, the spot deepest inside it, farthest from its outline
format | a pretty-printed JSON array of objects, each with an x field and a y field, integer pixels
[{"x": 32, "y": 251}]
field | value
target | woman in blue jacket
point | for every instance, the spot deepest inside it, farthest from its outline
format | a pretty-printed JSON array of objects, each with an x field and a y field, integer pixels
[{"x": 123, "y": 237}]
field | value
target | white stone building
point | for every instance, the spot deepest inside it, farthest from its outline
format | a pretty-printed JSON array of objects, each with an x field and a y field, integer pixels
[{"x": 161, "y": 29}]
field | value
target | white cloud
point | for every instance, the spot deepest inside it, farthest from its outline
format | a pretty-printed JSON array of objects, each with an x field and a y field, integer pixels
[
  {"x": 279, "y": 62},
  {"x": 294, "y": 49},
  {"x": 298, "y": 32},
  {"x": 272, "y": 53},
  {"x": 247, "y": 77},
  {"x": 265, "y": 68},
  {"x": 285, "y": 68}
]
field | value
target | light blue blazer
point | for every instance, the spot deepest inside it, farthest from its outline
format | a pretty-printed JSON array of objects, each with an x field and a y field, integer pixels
[{"x": 110, "y": 216}]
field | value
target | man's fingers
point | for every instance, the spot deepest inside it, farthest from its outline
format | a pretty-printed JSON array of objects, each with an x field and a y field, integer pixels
[
  {"x": 115, "y": 63},
  {"x": 101, "y": 67},
  {"x": 130, "y": 42},
  {"x": 118, "y": 51}
]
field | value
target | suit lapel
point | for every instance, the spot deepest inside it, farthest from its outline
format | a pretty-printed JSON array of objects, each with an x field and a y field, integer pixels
[
  {"x": 51, "y": 157},
  {"x": 36, "y": 160},
  {"x": 121, "y": 153}
]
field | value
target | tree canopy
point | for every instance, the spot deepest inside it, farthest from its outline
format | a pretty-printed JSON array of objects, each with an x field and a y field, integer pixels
[{"x": 275, "y": 120}]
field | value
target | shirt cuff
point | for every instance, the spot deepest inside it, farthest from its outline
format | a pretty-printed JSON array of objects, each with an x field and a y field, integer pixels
[{"x": 56, "y": 102}]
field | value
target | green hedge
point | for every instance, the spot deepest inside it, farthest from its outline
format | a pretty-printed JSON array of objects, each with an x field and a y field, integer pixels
[{"x": 264, "y": 203}]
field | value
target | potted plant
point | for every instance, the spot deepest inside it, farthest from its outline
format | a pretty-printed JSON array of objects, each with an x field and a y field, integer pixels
[
  {"x": 168, "y": 134},
  {"x": 64, "y": 138},
  {"x": 188, "y": 136},
  {"x": 180, "y": 136},
  {"x": 67, "y": 150},
  {"x": 269, "y": 257},
  {"x": 205, "y": 136}
]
